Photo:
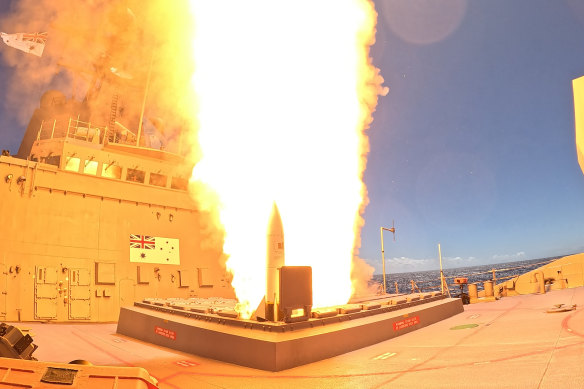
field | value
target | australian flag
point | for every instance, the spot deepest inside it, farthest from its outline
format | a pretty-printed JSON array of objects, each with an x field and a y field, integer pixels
[{"x": 142, "y": 242}]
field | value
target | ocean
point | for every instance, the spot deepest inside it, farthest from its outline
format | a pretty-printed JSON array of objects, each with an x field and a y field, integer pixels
[{"x": 426, "y": 281}]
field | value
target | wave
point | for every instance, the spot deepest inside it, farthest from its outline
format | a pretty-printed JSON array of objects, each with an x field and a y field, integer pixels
[{"x": 425, "y": 281}]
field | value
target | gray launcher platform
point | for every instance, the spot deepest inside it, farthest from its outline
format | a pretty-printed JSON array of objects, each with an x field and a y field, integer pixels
[{"x": 279, "y": 346}]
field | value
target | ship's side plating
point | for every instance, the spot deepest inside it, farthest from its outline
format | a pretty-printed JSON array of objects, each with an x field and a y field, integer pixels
[{"x": 67, "y": 216}]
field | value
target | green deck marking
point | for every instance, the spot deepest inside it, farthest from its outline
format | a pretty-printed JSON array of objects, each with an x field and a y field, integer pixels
[{"x": 464, "y": 326}]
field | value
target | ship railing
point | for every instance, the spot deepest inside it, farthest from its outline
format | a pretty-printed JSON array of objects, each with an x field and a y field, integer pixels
[
  {"x": 422, "y": 286},
  {"x": 71, "y": 128},
  {"x": 74, "y": 128}
]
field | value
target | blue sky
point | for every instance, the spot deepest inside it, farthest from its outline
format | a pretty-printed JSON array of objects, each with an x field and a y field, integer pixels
[
  {"x": 10, "y": 130},
  {"x": 473, "y": 147}
]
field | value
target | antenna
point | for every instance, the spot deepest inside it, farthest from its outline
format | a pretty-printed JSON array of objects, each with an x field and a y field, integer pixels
[
  {"x": 443, "y": 283},
  {"x": 392, "y": 230}
]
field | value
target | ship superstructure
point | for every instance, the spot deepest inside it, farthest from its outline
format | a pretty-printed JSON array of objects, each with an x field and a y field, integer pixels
[{"x": 91, "y": 222}]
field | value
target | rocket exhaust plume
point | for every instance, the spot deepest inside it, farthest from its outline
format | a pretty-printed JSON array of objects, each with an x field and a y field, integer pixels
[
  {"x": 281, "y": 96},
  {"x": 284, "y": 93}
]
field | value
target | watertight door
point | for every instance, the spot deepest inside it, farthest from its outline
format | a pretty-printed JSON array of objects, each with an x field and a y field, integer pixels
[
  {"x": 79, "y": 294},
  {"x": 45, "y": 293}
]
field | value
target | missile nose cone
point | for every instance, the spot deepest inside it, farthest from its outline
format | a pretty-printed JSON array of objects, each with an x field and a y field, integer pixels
[
  {"x": 275, "y": 254},
  {"x": 275, "y": 226}
]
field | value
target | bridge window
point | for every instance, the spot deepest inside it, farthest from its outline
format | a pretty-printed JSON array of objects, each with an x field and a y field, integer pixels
[
  {"x": 135, "y": 175},
  {"x": 72, "y": 164},
  {"x": 90, "y": 167},
  {"x": 111, "y": 171},
  {"x": 158, "y": 179},
  {"x": 179, "y": 183},
  {"x": 53, "y": 160}
]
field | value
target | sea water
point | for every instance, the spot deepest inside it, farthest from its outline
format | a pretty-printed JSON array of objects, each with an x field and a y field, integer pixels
[{"x": 426, "y": 281}]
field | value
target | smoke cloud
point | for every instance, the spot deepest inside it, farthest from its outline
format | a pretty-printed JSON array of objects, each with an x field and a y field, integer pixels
[
  {"x": 100, "y": 48},
  {"x": 361, "y": 276}
]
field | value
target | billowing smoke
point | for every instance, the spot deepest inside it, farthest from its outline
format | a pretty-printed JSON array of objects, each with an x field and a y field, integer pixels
[
  {"x": 284, "y": 92},
  {"x": 361, "y": 275},
  {"x": 99, "y": 49}
]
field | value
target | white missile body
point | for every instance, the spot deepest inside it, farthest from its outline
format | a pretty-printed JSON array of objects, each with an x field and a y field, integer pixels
[{"x": 274, "y": 261}]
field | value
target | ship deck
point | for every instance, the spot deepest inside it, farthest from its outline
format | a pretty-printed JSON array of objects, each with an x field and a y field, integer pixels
[{"x": 512, "y": 342}]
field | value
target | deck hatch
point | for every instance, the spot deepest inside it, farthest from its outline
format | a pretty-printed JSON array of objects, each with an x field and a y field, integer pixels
[{"x": 56, "y": 375}]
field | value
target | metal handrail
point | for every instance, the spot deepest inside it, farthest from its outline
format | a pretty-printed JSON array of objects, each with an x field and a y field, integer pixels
[
  {"x": 75, "y": 128},
  {"x": 421, "y": 285}
]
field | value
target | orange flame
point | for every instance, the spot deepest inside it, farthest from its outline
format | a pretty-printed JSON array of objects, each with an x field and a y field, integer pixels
[{"x": 284, "y": 94}]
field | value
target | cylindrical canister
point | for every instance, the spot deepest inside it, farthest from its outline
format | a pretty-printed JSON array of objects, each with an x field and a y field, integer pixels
[{"x": 489, "y": 289}]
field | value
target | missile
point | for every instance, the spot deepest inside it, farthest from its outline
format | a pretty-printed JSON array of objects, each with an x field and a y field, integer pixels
[{"x": 274, "y": 261}]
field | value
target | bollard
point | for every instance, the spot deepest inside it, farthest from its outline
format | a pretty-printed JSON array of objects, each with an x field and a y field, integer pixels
[
  {"x": 489, "y": 289},
  {"x": 561, "y": 280},
  {"x": 472, "y": 292},
  {"x": 541, "y": 281}
]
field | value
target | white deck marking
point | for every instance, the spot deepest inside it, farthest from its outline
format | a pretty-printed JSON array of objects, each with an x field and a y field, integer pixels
[
  {"x": 384, "y": 356},
  {"x": 185, "y": 363}
]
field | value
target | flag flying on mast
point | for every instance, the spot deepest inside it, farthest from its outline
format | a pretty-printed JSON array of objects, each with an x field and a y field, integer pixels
[{"x": 29, "y": 43}]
